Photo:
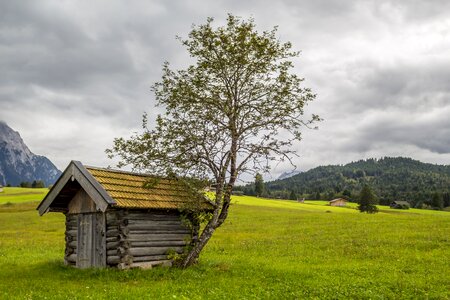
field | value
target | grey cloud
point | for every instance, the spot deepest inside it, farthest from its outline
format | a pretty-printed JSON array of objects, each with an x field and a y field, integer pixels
[
  {"x": 428, "y": 131},
  {"x": 79, "y": 73}
]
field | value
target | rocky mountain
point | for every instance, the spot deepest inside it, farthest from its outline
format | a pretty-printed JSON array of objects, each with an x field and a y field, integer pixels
[
  {"x": 288, "y": 174},
  {"x": 18, "y": 163}
]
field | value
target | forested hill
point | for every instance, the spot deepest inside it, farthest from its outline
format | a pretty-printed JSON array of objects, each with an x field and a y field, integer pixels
[{"x": 391, "y": 178}]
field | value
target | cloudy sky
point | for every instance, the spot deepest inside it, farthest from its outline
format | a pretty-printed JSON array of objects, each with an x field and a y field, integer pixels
[{"x": 76, "y": 74}]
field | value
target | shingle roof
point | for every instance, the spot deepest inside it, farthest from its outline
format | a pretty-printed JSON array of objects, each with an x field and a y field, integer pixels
[
  {"x": 337, "y": 199},
  {"x": 112, "y": 188},
  {"x": 401, "y": 202},
  {"x": 128, "y": 191}
]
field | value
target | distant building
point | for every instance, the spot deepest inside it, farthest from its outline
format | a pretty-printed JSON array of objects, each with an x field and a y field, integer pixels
[
  {"x": 1, "y": 188},
  {"x": 400, "y": 205},
  {"x": 338, "y": 202}
]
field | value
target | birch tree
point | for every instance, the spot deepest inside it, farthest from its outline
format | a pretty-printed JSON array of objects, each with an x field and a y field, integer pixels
[{"x": 238, "y": 107}]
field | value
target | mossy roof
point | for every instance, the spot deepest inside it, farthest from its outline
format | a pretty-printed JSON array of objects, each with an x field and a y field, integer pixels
[
  {"x": 113, "y": 188},
  {"x": 133, "y": 190}
]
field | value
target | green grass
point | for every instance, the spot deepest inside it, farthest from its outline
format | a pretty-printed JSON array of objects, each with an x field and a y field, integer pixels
[
  {"x": 267, "y": 249},
  {"x": 18, "y": 195}
]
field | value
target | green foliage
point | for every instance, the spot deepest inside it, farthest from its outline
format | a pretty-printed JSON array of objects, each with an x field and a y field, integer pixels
[
  {"x": 367, "y": 200},
  {"x": 292, "y": 195},
  {"x": 223, "y": 113},
  {"x": 38, "y": 184},
  {"x": 269, "y": 249},
  {"x": 437, "y": 202},
  {"x": 25, "y": 184},
  {"x": 259, "y": 185}
]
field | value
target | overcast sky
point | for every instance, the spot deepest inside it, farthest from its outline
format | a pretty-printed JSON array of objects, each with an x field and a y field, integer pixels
[{"x": 76, "y": 74}]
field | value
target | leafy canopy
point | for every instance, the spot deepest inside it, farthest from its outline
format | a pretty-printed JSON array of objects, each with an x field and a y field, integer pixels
[
  {"x": 367, "y": 200},
  {"x": 239, "y": 92},
  {"x": 224, "y": 114}
]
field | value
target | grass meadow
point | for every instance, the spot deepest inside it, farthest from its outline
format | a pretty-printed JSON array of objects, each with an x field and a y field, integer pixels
[
  {"x": 18, "y": 195},
  {"x": 267, "y": 249}
]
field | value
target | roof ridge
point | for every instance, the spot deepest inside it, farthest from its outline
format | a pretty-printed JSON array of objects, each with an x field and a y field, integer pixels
[{"x": 123, "y": 172}]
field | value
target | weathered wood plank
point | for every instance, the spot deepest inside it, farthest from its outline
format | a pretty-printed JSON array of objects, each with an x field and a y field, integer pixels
[
  {"x": 112, "y": 260},
  {"x": 72, "y": 232},
  {"x": 112, "y": 252},
  {"x": 99, "y": 259},
  {"x": 81, "y": 203},
  {"x": 149, "y": 258},
  {"x": 84, "y": 239},
  {"x": 156, "y": 227},
  {"x": 155, "y": 223},
  {"x": 157, "y": 243},
  {"x": 156, "y": 237},
  {"x": 151, "y": 216},
  {"x": 112, "y": 245},
  {"x": 72, "y": 258},
  {"x": 158, "y": 232},
  {"x": 112, "y": 233},
  {"x": 146, "y": 251}
]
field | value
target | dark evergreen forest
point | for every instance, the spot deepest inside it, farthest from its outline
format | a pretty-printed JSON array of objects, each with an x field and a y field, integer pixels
[{"x": 391, "y": 179}]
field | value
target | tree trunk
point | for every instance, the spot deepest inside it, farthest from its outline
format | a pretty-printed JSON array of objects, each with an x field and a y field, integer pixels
[{"x": 192, "y": 256}]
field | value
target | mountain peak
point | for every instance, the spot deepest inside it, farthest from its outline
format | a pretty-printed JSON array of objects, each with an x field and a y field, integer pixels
[{"x": 18, "y": 163}]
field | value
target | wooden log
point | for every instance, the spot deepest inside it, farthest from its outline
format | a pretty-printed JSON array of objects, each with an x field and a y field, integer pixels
[
  {"x": 122, "y": 251},
  {"x": 155, "y": 222},
  {"x": 157, "y": 243},
  {"x": 69, "y": 251},
  {"x": 147, "y": 251},
  {"x": 151, "y": 216},
  {"x": 72, "y": 232},
  {"x": 112, "y": 260},
  {"x": 71, "y": 244},
  {"x": 149, "y": 258},
  {"x": 112, "y": 252},
  {"x": 156, "y": 227},
  {"x": 70, "y": 238},
  {"x": 124, "y": 229},
  {"x": 156, "y": 237},
  {"x": 161, "y": 232},
  {"x": 72, "y": 258},
  {"x": 112, "y": 239},
  {"x": 112, "y": 245},
  {"x": 71, "y": 224},
  {"x": 110, "y": 233},
  {"x": 71, "y": 217}
]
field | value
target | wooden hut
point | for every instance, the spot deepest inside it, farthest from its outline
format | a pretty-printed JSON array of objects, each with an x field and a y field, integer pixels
[
  {"x": 1, "y": 188},
  {"x": 400, "y": 205},
  {"x": 338, "y": 202},
  {"x": 113, "y": 220}
]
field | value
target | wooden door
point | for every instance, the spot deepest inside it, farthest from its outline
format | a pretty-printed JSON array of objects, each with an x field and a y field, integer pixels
[{"x": 91, "y": 240}]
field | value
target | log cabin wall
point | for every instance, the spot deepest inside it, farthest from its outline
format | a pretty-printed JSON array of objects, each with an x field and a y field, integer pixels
[
  {"x": 140, "y": 238},
  {"x": 70, "y": 255}
]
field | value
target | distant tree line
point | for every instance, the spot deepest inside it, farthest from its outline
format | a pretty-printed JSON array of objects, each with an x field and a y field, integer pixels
[
  {"x": 421, "y": 185},
  {"x": 34, "y": 184}
]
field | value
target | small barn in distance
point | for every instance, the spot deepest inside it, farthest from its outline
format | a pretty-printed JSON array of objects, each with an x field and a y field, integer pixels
[
  {"x": 338, "y": 202},
  {"x": 1, "y": 188},
  {"x": 113, "y": 220},
  {"x": 400, "y": 205}
]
